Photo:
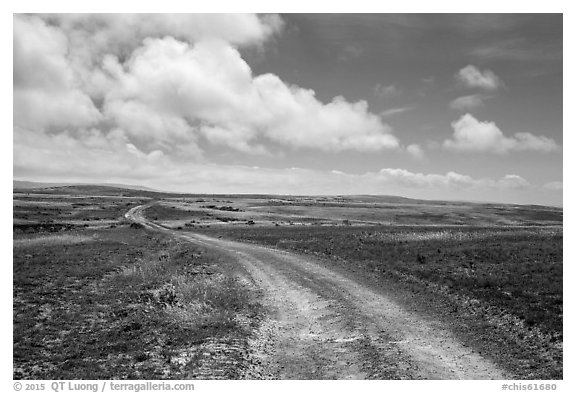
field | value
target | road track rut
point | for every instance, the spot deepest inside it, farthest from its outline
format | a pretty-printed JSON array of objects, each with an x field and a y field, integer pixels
[{"x": 323, "y": 325}]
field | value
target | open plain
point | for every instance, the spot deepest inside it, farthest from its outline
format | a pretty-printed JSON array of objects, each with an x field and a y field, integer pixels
[{"x": 117, "y": 283}]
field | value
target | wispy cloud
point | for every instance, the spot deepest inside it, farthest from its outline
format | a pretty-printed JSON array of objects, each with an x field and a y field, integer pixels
[
  {"x": 554, "y": 186},
  {"x": 415, "y": 151},
  {"x": 395, "y": 111},
  {"x": 429, "y": 81},
  {"x": 468, "y": 102},
  {"x": 517, "y": 50},
  {"x": 472, "y": 77},
  {"x": 350, "y": 52},
  {"x": 386, "y": 91}
]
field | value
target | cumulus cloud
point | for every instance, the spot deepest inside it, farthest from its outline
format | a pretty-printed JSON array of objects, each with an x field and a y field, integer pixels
[
  {"x": 115, "y": 33},
  {"x": 409, "y": 179},
  {"x": 166, "y": 93},
  {"x": 112, "y": 157},
  {"x": 92, "y": 37},
  {"x": 147, "y": 99},
  {"x": 452, "y": 181},
  {"x": 210, "y": 88},
  {"x": 470, "y": 76},
  {"x": 468, "y": 102},
  {"x": 45, "y": 92},
  {"x": 514, "y": 182},
  {"x": 472, "y": 135},
  {"x": 93, "y": 155},
  {"x": 153, "y": 130}
]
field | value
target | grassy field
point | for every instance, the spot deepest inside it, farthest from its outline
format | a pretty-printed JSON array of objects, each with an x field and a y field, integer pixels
[
  {"x": 238, "y": 210},
  {"x": 516, "y": 269},
  {"x": 116, "y": 302},
  {"x": 492, "y": 271},
  {"x": 503, "y": 286},
  {"x": 96, "y": 298},
  {"x": 513, "y": 265}
]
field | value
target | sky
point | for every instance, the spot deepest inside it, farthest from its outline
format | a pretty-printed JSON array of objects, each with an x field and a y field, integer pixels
[{"x": 433, "y": 106}]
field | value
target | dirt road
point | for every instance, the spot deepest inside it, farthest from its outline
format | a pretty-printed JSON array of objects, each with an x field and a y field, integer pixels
[{"x": 323, "y": 325}]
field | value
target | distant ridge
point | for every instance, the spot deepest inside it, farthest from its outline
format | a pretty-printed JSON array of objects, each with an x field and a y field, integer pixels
[
  {"x": 22, "y": 184},
  {"x": 116, "y": 188}
]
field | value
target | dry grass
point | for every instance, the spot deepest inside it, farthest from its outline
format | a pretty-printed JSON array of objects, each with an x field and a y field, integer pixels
[
  {"x": 501, "y": 287},
  {"x": 133, "y": 305},
  {"x": 54, "y": 240}
]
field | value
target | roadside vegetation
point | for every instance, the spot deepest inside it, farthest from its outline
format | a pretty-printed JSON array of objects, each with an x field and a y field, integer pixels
[
  {"x": 121, "y": 302},
  {"x": 516, "y": 269},
  {"x": 501, "y": 288},
  {"x": 96, "y": 297},
  {"x": 162, "y": 212}
]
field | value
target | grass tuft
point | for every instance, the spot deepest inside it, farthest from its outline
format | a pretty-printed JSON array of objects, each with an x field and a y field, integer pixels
[{"x": 134, "y": 305}]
